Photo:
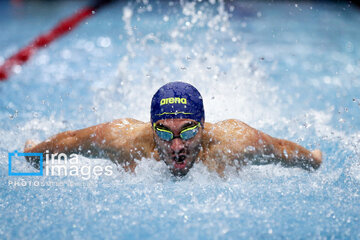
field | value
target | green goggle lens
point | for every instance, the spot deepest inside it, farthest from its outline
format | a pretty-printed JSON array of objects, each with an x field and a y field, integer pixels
[
  {"x": 185, "y": 134},
  {"x": 188, "y": 133},
  {"x": 164, "y": 134}
]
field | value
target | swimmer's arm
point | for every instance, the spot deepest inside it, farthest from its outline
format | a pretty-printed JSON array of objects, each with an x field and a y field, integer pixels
[
  {"x": 257, "y": 147},
  {"x": 121, "y": 141},
  {"x": 287, "y": 152},
  {"x": 81, "y": 141}
]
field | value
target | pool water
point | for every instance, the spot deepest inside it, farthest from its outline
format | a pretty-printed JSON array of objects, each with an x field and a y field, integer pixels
[{"x": 289, "y": 69}]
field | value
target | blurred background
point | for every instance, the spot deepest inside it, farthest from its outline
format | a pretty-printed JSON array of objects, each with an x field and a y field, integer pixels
[{"x": 288, "y": 68}]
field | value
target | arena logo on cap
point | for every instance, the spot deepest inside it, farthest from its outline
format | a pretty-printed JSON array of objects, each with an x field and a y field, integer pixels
[{"x": 173, "y": 100}]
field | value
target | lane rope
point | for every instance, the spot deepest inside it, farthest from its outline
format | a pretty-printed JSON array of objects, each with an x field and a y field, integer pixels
[{"x": 44, "y": 40}]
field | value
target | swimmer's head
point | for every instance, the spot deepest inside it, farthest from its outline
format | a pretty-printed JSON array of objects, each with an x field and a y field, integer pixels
[
  {"x": 177, "y": 100},
  {"x": 177, "y": 117}
]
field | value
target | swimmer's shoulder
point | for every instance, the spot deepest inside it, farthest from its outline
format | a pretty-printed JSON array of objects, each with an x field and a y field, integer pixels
[
  {"x": 125, "y": 129},
  {"x": 125, "y": 121},
  {"x": 128, "y": 123},
  {"x": 127, "y": 133},
  {"x": 226, "y": 131},
  {"x": 225, "y": 127}
]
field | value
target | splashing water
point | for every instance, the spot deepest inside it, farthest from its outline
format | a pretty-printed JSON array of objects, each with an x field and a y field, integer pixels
[{"x": 290, "y": 70}]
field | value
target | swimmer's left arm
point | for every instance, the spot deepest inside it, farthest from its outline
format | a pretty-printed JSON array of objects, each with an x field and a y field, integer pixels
[
  {"x": 246, "y": 142},
  {"x": 287, "y": 152}
]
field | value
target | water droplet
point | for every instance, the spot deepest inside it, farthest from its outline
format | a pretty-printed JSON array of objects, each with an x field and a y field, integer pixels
[
  {"x": 88, "y": 46},
  {"x": 17, "y": 69},
  {"x": 65, "y": 54},
  {"x": 12, "y": 116},
  {"x": 349, "y": 46},
  {"x": 104, "y": 42},
  {"x": 127, "y": 13},
  {"x": 285, "y": 153}
]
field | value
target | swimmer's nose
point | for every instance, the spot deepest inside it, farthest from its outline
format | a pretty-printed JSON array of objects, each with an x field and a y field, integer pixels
[{"x": 177, "y": 145}]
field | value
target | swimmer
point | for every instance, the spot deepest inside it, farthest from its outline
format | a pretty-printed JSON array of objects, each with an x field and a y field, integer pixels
[{"x": 178, "y": 135}]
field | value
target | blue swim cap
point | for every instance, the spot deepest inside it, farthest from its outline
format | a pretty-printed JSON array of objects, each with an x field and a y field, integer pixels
[{"x": 177, "y": 100}]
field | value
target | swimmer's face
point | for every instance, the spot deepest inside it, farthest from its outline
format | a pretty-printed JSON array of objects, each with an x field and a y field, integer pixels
[{"x": 178, "y": 154}]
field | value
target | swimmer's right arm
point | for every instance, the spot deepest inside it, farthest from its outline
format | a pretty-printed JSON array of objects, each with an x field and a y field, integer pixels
[
  {"x": 79, "y": 141},
  {"x": 121, "y": 140}
]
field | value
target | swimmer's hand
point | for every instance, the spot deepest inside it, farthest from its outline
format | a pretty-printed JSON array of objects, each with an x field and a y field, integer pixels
[
  {"x": 317, "y": 157},
  {"x": 29, "y": 146}
]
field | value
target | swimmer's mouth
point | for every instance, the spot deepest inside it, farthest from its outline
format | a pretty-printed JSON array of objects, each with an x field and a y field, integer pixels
[{"x": 179, "y": 161}]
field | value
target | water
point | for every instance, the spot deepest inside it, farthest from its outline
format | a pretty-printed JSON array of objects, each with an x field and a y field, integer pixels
[{"x": 289, "y": 69}]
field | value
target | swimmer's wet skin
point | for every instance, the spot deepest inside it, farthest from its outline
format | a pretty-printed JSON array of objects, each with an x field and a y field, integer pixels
[{"x": 179, "y": 136}]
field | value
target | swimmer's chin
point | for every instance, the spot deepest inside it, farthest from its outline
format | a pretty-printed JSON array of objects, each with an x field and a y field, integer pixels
[
  {"x": 180, "y": 171},
  {"x": 179, "y": 174}
]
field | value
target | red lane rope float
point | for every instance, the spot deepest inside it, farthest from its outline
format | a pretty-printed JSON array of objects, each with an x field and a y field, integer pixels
[{"x": 44, "y": 40}]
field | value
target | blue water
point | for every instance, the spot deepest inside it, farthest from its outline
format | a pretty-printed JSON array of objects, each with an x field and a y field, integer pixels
[{"x": 291, "y": 70}]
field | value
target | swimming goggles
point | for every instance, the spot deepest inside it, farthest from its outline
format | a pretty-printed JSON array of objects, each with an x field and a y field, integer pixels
[{"x": 185, "y": 134}]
